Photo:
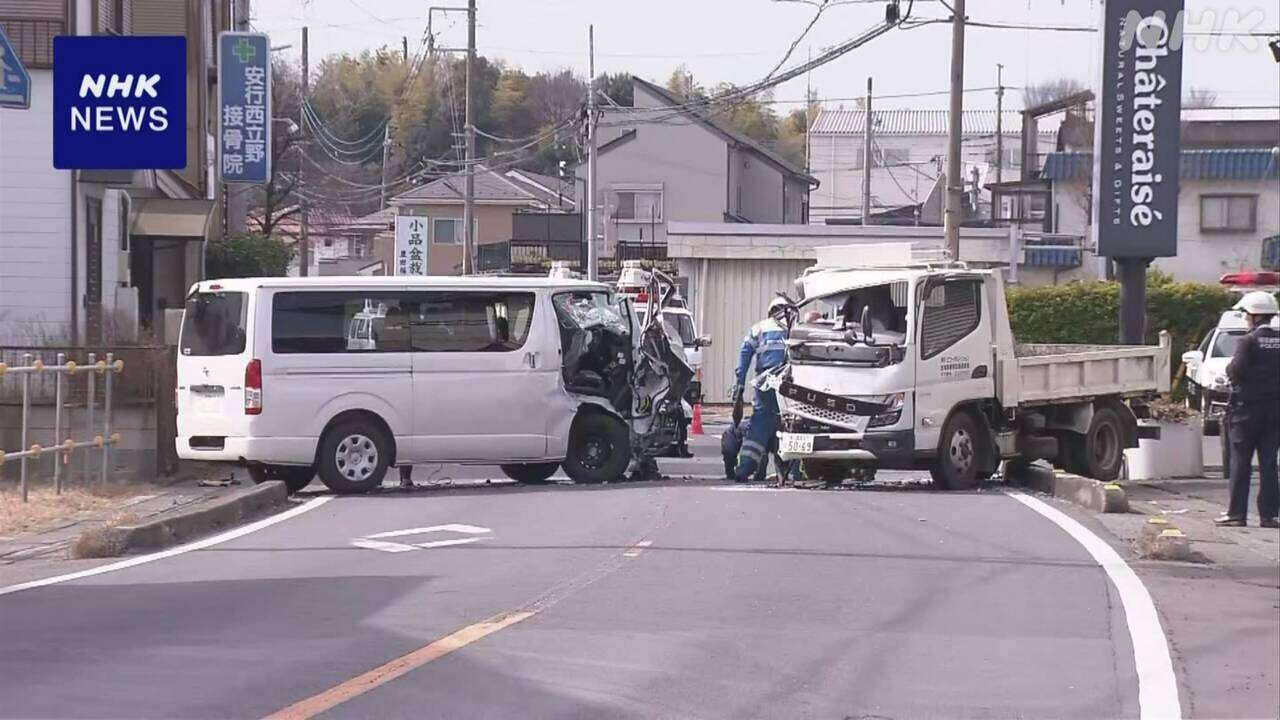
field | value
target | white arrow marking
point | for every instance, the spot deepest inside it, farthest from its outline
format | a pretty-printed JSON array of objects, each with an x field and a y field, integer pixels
[
  {"x": 378, "y": 542},
  {"x": 464, "y": 529}
]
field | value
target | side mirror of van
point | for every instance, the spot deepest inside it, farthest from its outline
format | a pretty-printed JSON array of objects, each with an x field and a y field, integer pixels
[
  {"x": 867, "y": 337},
  {"x": 1192, "y": 357},
  {"x": 701, "y": 342}
]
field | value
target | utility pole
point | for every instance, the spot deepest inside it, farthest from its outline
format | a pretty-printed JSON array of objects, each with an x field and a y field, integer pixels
[
  {"x": 866, "y": 159},
  {"x": 999, "y": 122},
  {"x": 469, "y": 205},
  {"x": 404, "y": 48},
  {"x": 808, "y": 98},
  {"x": 955, "y": 183},
  {"x": 386, "y": 150},
  {"x": 592, "y": 250},
  {"x": 304, "y": 238}
]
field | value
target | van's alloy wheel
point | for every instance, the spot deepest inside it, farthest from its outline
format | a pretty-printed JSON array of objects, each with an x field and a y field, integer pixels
[{"x": 354, "y": 456}]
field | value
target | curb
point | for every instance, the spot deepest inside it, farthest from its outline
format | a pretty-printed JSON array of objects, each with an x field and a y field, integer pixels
[
  {"x": 1162, "y": 540},
  {"x": 221, "y": 514},
  {"x": 1086, "y": 492}
]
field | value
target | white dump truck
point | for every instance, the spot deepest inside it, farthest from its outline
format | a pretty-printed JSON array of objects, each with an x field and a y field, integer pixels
[{"x": 913, "y": 365}]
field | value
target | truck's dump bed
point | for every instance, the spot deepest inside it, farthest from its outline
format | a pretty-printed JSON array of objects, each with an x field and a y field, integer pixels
[{"x": 1055, "y": 373}]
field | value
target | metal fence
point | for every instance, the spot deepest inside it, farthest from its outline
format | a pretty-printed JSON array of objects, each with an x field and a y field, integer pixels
[{"x": 64, "y": 373}]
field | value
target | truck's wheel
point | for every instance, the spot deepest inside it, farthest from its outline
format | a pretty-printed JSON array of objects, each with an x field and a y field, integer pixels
[
  {"x": 1104, "y": 445},
  {"x": 294, "y": 477},
  {"x": 354, "y": 456},
  {"x": 599, "y": 449},
  {"x": 530, "y": 473},
  {"x": 956, "y": 467}
]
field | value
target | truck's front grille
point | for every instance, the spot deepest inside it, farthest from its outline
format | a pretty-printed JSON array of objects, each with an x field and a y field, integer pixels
[{"x": 823, "y": 415}]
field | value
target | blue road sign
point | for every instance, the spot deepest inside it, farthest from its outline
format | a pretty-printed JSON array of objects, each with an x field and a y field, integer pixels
[
  {"x": 119, "y": 103},
  {"x": 15, "y": 81},
  {"x": 244, "y": 107}
]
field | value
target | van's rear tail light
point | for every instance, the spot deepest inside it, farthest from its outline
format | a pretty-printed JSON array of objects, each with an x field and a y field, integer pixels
[{"x": 253, "y": 387}]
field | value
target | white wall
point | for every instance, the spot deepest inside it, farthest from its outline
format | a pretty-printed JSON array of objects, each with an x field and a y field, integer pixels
[
  {"x": 1202, "y": 257},
  {"x": 35, "y": 222}
]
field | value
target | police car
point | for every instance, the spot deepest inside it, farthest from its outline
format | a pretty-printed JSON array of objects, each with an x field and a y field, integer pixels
[{"x": 1208, "y": 388}]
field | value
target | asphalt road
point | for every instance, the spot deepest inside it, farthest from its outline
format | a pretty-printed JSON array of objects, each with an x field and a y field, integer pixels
[{"x": 685, "y": 598}]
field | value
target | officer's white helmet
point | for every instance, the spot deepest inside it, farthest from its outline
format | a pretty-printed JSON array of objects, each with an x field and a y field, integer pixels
[
  {"x": 776, "y": 306},
  {"x": 1258, "y": 302}
]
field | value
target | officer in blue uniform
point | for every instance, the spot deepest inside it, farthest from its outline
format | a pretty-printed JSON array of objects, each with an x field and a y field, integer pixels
[{"x": 766, "y": 342}]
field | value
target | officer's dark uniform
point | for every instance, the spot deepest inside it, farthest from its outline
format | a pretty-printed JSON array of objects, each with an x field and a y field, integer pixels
[{"x": 1255, "y": 421}]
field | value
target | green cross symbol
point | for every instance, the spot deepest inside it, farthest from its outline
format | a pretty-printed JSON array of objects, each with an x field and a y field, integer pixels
[{"x": 244, "y": 51}]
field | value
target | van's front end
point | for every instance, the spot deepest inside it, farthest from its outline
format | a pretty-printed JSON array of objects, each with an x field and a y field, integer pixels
[
  {"x": 846, "y": 398},
  {"x": 219, "y": 390}
]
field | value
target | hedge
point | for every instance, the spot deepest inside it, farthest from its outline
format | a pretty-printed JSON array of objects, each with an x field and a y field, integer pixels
[{"x": 1089, "y": 312}]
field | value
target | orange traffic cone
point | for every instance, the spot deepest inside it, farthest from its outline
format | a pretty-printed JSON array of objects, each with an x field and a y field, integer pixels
[{"x": 695, "y": 428}]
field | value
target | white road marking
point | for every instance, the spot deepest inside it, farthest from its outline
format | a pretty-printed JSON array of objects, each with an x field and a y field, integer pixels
[
  {"x": 171, "y": 552},
  {"x": 453, "y": 527},
  {"x": 378, "y": 541},
  {"x": 752, "y": 488},
  {"x": 635, "y": 550},
  {"x": 1157, "y": 684}
]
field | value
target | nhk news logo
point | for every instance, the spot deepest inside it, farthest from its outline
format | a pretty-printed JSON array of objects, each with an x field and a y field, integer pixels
[{"x": 119, "y": 103}]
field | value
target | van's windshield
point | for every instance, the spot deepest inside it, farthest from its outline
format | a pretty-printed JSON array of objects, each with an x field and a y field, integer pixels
[{"x": 214, "y": 324}]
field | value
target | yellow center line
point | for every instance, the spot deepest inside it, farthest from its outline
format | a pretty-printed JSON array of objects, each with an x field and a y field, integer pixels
[{"x": 384, "y": 674}]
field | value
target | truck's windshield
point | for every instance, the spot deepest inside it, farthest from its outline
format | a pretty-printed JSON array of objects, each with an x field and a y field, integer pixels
[{"x": 839, "y": 313}]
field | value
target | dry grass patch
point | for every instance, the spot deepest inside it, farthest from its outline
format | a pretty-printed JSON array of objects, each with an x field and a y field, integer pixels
[
  {"x": 103, "y": 541},
  {"x": 45, "y": 510}
]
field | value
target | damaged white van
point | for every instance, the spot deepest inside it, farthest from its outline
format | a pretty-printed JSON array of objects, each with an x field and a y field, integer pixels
[{"x": 347, "y": 377}]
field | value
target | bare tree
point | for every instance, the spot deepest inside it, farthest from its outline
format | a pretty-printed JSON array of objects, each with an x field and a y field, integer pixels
[{"x": 1050, "y": 91}]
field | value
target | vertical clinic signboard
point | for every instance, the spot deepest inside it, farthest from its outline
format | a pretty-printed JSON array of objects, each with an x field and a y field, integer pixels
[
  {"x": 1137, "y": 134},
  {"x": 244, "y": 107},
  {"x": 411, "y": 245},
  {"x": 119, "y": 103}
]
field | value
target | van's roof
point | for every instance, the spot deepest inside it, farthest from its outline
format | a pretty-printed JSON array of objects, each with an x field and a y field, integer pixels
[{"x": 400, "y": 281}]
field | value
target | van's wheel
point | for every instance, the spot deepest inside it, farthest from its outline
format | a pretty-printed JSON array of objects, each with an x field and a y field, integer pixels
[
  {"x": 956, "y": 467},
  {"x": 599, "y": 449},
  {"x": 1104, "y": 446},
  {"x": 354, "y": 456},
  {"x": 530, "y": 473},
  {"x": 294, "y": 477}
]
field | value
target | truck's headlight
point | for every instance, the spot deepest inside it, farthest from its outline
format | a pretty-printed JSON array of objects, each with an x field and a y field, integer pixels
[{"x": 892, "y": 415}]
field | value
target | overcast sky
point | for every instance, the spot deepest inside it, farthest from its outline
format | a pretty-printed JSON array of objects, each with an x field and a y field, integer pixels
[{"x": 740, "y": 40}]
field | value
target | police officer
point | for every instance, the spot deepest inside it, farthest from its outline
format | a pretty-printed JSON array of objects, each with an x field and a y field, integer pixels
[
  {"x": 1254, "y": 412},
  {"x": 766, "y": 342}
]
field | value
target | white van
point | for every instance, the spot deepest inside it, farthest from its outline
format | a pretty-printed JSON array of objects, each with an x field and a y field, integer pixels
[{"x": 346, "y": 377}]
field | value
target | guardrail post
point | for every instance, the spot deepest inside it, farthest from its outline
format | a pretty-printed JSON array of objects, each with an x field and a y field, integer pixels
[
  {"x": 89, "y": 402},
  {"x": 57, "y": 423},
  {"x": 106, "y": 418},
  {"x": 26, "y": 410}
]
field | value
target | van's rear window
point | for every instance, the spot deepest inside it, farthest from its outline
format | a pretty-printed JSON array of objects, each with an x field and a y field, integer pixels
[{"x": 214, "y": 324}]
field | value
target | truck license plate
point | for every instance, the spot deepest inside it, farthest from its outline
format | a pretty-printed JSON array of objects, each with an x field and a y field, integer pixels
[{"x": 793, "y": 443}]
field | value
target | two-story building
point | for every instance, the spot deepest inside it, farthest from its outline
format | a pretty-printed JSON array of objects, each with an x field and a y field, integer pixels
[
  {"x": 97, "y": 256},
  {"x": 908, "y": 162},
  {"x": 662, "y": 161},
  {"x": 1228, "y": 195}
]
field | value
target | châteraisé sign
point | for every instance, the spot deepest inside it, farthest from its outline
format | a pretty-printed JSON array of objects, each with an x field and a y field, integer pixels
[{"x": 1136, "y": 141}]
